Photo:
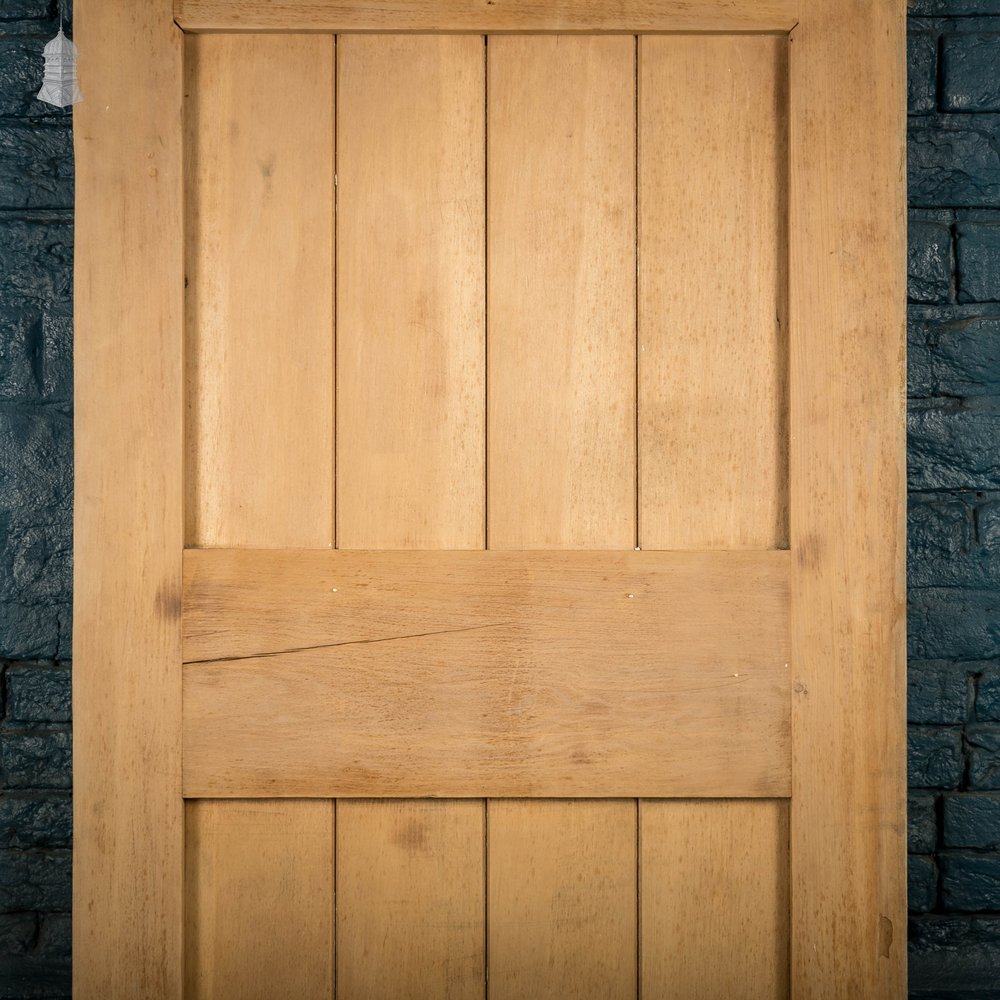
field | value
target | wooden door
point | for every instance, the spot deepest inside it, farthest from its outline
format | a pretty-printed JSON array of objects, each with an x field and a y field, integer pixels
[{"x": 489, "y": 500}]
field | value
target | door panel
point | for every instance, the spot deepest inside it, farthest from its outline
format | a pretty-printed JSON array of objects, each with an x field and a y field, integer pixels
[
  {"x": 410, "y": 899},
  {"x": 476, "y": 670},
  {"x": 562, "y": 899},
  {"x": 714, "y": 899},
  {"x": 259, "y": 345},
  {"x": 475, "y": 673},
  {"x": 561, "y": 276},
  {"x": 410, "y": 292},
  {"x": 713, "y": 351},
  {"x": 259, "y": 898}
]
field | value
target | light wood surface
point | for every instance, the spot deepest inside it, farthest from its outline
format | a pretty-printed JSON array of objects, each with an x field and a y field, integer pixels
[
  {"x": 242, "y": 603},
  {"x": 411, "y": 440},
  {"x": 549, "y": 681},
  {"x": 713, "y": 379},
  {"x": 128, "y": 828},
  {"x": 561, "y": 292},
  {"x": 847, "y": 297},
  {"x": 410, "y": 900},
  {"x": 410, "y": 292},
  {"x": 562, "y": 885},
  {"x": 259, "y": 228},
  {"x": 714, "y": 899},
  {"x": 259, "y": 902},
  {"x": 561, "y": 417},
  {"x": 478, "y": 16}
]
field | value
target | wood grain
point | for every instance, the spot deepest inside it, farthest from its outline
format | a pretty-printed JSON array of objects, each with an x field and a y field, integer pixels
[
  {"x": 128, "y": 845},
  {"x": 848, "y": 252},
  {"x": 561, "y": 167},
  {"x": 714, "y": 899},
  {"x": 417, "y": 868},
  {"x": 411, "y": 292},
  {"x": 562, "y": 878},
  {"x": 485, "y": 16},
  {"x": 713, "y": 377},
  {"x": 259, "y": 222},
  {"x": 411, "y": 398},
  {"x": 464, "y": 673},
  {"x": 259, "y": 900},
  {"x": 254, "y": 602},
  {"x": 561, "y": 292}
]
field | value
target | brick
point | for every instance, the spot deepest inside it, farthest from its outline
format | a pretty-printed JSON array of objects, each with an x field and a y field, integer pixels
[
  {"x": 952, "y": 8},
  {"x": 946, "y": 624},
  {"x": 954, "y": 444},
  {"x": 23, "y": 10},
  {"x": 35, "y": 880},
  {"x": 929, "y": 262},
  {"x": 36, "y": 165},
  {"x": 954, "y": 160},
  {"x": 921, "y": 823},
  {"x": 977, "y": 262},
  {"x": 972, "y": 821},
  {"x": 38, "y": 693},
  {"x": 934, "y": 757},
  {"x": 55, "y": 938},
  {"x": 940, "y": 540},
  {"x": 952, "y": 954},
  {"x": 988, "y": 696},
  {"x": 970, "y": 882},
  {"x": 36, "y": 759},
  {"x": 37, "y": 255},
  {"x": 921, "y": 72},
  {"x": 937, "y": 692},
  {"x": 17, "y": 933},
  {"x": 35, "y": 956},
  {"x": 983, "y": 744},
  {"x": 921, "y": 883},
  {"x": 960, "y": 357},
  {"x": 35, "y": 819},
  {"x": 969, "y": 79},
  {"x": 35, "y": 531},
  {"x": 21, "y": 62}
]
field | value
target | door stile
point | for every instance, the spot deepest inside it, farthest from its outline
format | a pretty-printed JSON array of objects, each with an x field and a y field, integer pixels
[
  {"x": 128, "y": 851},
  {"x": 847, "y": 311}
]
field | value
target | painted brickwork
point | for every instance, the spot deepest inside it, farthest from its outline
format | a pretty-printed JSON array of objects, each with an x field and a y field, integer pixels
[
  {"x": 954, "y": 344},
  {"x": 954, "y": 476},
  {"x": 36, "y": 199}
]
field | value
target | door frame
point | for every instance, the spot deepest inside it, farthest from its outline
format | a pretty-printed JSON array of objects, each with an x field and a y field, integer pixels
[{"x": 847, "y": 231}]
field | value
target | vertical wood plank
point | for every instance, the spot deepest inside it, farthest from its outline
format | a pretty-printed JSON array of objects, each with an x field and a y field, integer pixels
[
  {"x": 713, "y": 411},
  {"x": 259, "y": 362},
  {"x": 848, "y": 378},
  {"x": 562, "y": 899},
  {"x": 411, "y": 292},
  {"x": 561, "y": 330},
  {"x": 259, "y": 899},
  {"x": 713, "y": 460},
  {"x": 561, "y": 292},
  {"x": 128, "y": 516},
  {"x": 410, "y": 398},
  {"x": 410, "y": 901},
  {"x": 714, "y": 899}
]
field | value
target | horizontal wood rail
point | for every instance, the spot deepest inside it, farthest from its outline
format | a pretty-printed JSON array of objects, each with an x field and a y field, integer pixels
[
  {"x": 487, "y": 15},
  {"x": 570, "y": 674}
]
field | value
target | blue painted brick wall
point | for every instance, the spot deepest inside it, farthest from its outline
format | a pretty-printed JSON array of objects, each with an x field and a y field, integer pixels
[
  {"x": 954, "y": 544},
  {"x": 36, "y": 255},
  {"x": 954, "y": 511}
]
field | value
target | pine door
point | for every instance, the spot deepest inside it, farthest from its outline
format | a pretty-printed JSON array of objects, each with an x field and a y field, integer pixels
[{"x": 489, "y": 498}]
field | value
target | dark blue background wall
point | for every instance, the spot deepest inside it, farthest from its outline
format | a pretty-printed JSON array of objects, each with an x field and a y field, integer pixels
[
  {"x": 36, "y": 234},
  {"x": 954, "y": 343},
  {"x": 954, "y": 476}
]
